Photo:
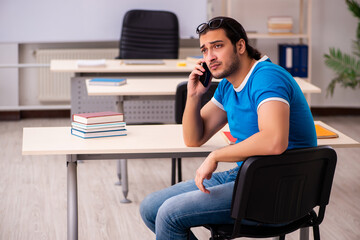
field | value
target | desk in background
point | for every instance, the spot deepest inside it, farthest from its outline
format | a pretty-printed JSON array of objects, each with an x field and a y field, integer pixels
[
  {"x": 162, "y": 86},
  {"x": 142, "y": 141},
  {"x": 135, "y": 107}
]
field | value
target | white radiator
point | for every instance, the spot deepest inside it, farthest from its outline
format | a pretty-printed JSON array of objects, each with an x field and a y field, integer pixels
[{"x": 55, "y": 87}]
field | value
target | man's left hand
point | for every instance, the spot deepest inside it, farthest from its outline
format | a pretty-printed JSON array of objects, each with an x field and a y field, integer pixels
[{"x": 205, "y": 172}]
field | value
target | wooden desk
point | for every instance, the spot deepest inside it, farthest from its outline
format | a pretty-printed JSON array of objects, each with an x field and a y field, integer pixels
[
  {"x": 118, "y": 66},
  {"x": 307, "y": 87},
  {"x": 138, "y": 87},
  {"x": 143, "y": 141}
]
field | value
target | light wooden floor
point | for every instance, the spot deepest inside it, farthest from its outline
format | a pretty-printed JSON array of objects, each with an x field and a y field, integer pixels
[{"x": 33, "y": 191}]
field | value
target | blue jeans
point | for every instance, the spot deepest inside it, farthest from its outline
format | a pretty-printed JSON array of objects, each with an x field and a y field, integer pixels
[{"x": 171, "y": 212}]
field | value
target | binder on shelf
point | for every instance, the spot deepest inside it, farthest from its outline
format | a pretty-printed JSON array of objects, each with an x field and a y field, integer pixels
[
  {"x": 304, "y": 51},
  {"x": 294, "y": 58},
  {"x": 286, "y": 56}
]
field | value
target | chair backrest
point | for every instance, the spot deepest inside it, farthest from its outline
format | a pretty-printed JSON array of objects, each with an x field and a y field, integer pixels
[
  {"x": 180, "y": 99},
  {"x": 149, "y": 35},
  {"x": 284, "y": 188}
]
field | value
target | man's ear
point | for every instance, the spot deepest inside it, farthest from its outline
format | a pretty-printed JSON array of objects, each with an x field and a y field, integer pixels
[{"x": 241, "y": 46}]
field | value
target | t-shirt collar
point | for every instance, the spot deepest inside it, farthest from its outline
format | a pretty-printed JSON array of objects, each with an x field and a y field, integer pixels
[{"x": 242, "y": 85}]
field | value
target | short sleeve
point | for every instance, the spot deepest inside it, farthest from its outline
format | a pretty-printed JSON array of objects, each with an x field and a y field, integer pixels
[
  {"x": 270, "y": 85},
  {"x": 218, "y": 97}
]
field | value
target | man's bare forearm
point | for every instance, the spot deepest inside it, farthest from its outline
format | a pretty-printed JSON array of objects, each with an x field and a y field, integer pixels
[{"x": 193, "y": 129}]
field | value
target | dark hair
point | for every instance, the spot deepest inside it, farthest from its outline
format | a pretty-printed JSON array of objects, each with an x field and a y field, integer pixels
[{"x": 234, "y": 31}]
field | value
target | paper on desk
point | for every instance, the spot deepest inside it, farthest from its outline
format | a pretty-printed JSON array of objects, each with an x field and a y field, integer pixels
[{"x": 91, "y": 63}]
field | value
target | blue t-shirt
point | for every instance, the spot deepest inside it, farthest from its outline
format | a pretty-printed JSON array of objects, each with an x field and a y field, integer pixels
[{"x": 266, "y": 82}]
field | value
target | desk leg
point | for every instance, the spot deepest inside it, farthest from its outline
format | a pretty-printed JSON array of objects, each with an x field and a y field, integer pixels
[
  {"x": 173, "y": 171},
  {"x": 118, "y": 172},
  {"x": 304, "y": 233},
  {"x": 124, "y": 180},
  {"x": 72, "y": 204},
  {"x": 120, "y": 108}
]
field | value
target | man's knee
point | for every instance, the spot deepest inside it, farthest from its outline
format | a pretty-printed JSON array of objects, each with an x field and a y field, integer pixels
[
  {"x": 170, "y": 213},
  {"x": 148, "y": 209}
]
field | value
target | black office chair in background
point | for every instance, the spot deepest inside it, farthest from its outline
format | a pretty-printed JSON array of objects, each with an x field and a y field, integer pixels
[
  {"x": 146, "y": 34},
  {"x": 149, "y": 34},
  {"x": 279, "y": 193},
  {"x": 180, "y": 101}
]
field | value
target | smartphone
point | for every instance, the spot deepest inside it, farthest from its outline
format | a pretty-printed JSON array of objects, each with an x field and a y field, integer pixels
[{"x": 205, "y": 78}]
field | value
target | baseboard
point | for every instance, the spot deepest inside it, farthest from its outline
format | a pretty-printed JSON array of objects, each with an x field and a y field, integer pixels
[
  {"x": 9, "y": 115},
  {"x": 335, "y": 111},
  {"x": 24, "y": 114}
]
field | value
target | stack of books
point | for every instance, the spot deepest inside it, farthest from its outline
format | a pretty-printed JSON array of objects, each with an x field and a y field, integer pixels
[
  {"x": 280, "y": 25},
  {"x": 98, "y": 124}
]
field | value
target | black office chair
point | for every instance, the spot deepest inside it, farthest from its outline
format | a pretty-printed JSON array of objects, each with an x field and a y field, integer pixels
[
  {"x": 180, "y": 102},
  {"x": 149, "y": 35},
  {"x": 146, "y": 34},
  {"x": 281, "y": 191}
]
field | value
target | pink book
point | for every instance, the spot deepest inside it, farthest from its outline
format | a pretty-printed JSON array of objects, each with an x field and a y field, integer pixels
[
  {"x": 98, "y": 117},
  {"x": 228, "y": 137}
]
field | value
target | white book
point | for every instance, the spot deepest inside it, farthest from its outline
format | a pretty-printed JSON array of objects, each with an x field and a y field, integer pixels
[
  {"x": 90, "y": 130},
  {"x": 99, "y": 126}
]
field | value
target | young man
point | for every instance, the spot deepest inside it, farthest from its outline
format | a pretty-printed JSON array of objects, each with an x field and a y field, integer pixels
[{"x": 265, "y": 109}]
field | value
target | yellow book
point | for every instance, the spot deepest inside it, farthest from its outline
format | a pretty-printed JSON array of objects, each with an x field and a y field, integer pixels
[{"x": 322, "y": 132}]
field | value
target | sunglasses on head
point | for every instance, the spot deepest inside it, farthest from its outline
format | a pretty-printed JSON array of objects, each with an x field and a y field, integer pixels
[{"x": 214, "y": 24}]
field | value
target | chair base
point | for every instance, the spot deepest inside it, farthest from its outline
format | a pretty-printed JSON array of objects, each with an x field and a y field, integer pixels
[{"x": 227, "y": 231}]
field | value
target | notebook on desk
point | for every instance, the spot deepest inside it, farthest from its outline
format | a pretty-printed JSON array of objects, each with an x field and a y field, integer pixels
[
  {"x": 322, "y": 132},
  {"x": 144, "y": 62}
]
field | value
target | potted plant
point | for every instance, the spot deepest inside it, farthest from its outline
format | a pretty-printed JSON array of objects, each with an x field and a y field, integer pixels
[{"x": 346, "y": 66}]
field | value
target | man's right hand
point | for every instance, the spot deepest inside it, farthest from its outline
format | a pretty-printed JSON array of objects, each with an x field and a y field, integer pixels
[{"x": 194, "y": 87}]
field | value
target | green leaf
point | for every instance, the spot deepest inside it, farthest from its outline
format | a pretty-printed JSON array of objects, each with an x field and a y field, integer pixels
[
  {"x": 354, "y": 7},
  {"x": 356, "y": 48},
  {"x": 346, "y": 67},
  {"x": 340, "y": 62}
]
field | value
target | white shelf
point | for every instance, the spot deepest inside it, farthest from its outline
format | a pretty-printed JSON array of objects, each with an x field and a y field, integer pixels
[{"x": 276, "y": 36}]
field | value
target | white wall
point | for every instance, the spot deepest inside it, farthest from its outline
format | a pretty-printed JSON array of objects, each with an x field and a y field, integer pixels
[
  {"x": 84, "y": 20},
  {"x": 9, "y": 77},
  {"x": 332, "y": 26}
]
